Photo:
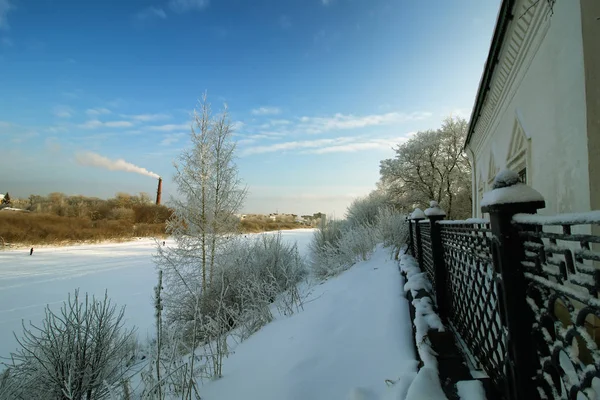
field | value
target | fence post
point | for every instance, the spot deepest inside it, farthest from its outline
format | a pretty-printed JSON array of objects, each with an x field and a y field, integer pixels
[
  {"x": 417, "y": 216},
  {"x": 411, "y": 243},
  {"x": 435, "y": 214},
  {"x": 510, "y": 197}
]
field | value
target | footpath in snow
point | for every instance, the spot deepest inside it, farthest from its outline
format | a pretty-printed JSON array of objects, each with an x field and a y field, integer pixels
[{"x": 353, "y": 334}]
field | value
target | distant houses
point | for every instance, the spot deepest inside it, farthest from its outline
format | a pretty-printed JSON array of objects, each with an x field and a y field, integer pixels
[{"x": 308, "y": 220}]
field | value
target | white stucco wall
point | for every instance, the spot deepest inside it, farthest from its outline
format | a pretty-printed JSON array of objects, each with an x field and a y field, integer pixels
[{"x": 549, "y": 101}]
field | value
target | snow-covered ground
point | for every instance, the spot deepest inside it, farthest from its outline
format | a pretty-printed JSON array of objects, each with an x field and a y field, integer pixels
[
  {"x": 126, "y": 270},
  {"x": 353, "y": 334},
  {"x": 352, "y": 341}
]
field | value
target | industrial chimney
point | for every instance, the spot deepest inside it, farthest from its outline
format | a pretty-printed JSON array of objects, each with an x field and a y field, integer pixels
[{"x": 159, "y": 191}]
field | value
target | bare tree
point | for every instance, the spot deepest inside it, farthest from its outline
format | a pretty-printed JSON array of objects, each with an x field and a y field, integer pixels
[{"x": 431, "y": 166}]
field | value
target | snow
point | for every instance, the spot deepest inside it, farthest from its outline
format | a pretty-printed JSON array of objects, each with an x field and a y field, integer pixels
[
  {"x": 590, "y": 217},
  {"x": 353, "y": 334},
  {"x": 505, "y": 178},
  {"x": 352, "y": 340},
  {"x": 426, "y": 320},
  {"x": 517, "y": 193},
  {"x": 418, "y": 214},
  {"x": 426, "y": 386},
  {"x": 12, "y": 209},
  {"x": 470, "y": 390},
  {"x": 434, "y": 210},
  {"x": 465, "y": 221},
  {"x": 126, "y": 270}
]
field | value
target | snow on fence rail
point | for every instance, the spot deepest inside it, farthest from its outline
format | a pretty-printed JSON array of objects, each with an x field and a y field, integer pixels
[{"x": 515, "y": 276}]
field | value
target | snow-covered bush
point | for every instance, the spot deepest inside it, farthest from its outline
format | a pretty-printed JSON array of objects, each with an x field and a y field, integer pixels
[
  {"x": 365, "y": 210},
  {"x": 351, "y": 245},
  {"x": 394, "y": 228},
  {"x": 252, "y": 278},
  {"x": 337, "y": 245},
  {"x": 81, "y": 352}
]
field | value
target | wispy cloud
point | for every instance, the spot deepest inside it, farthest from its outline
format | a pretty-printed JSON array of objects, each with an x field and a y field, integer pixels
[
  {"x": 344, "y": 144},
  {"x": 94, "y": 124},
  {"x": 6, "y": 42},
  {"x": 169, "y": 127},
  {"x": 16, "y": 133},
  {"x": 151, "y": 13},
  {"x": 5, "y": 7},
  {"x": 337, "y": 122},
  {"x": 172, "y": 138},
  {"x": 294, "y": 145},
  {"x": 266, "y": 111},
  {"x": 314, "y": 125},
  {"x": 326, "y": 2},
  {"x": 147, "y": 117},
  {"x": 97, "y": 111},
  {"x": 63, "y": 112},
  {"x": 181, "y": 6}
]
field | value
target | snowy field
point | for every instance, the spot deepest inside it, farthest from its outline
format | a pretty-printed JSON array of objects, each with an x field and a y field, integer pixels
[{"x": 126, "y": 270}]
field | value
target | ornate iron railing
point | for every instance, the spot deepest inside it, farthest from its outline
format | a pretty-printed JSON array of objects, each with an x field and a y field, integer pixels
[
  {"x": 413, "y": 228},
  {"x": 426, "y": 248},
  {"x": 563, "y": 280},
  {"x": 471, "y": 289}
]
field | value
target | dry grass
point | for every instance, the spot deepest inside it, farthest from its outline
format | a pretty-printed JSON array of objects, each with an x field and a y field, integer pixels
[{"x": 34, "y": 229}]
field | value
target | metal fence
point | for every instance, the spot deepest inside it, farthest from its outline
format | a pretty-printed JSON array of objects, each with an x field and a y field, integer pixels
[{"x": 521, "y": 293}]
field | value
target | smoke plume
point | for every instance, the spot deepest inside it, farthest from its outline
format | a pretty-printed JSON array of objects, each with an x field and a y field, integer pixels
[{"x": 96, "y": 160}]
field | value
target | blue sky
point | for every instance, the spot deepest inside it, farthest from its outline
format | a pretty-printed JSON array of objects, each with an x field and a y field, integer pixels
[{"x": 320, "y": 90}]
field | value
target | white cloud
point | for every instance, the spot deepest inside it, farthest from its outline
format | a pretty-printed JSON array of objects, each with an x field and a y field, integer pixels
[
  {"x": 94, "y": 123},
  {"x": 342, "y": 144},
  {"x": 118, "y": 124},
  {"x": 266, "y": 111},
  {"x": 237, "y": 125},
  {"x": 147, "y": 117},
  {"x": 63, "y": 112},
  {"x": 5, "y": 7},
  {"x": 172, "y": 138},
  {"x": 314, "y": 125},
  {"x": 294, "y": 145},
  {"x": 181, "y": 6},
  {"x": 360, "y": 145},
  {"x": 326, "y": 2},
  {"x": 151, "y": 13},
  {"x": 169, "y": 127},
  {"x": 97, "y": 111}
]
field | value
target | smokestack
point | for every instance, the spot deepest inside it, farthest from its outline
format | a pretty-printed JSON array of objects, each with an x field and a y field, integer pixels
[{"x": 159, "y": 191}]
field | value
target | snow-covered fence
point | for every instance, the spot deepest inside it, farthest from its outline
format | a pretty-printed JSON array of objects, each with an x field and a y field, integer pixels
[{"x": 521, "y": 291}]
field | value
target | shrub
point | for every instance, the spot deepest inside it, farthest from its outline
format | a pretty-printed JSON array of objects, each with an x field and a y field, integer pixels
[
  {"x": 79, "y": 353},
  {"x": 352, "y": 244},
  {"x": 253, "y": 276},
  {"x": 394, "y": 228}
]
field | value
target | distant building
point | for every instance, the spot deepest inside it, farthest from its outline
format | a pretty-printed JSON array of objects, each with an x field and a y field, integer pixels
[{"x": 1, "y": 197}]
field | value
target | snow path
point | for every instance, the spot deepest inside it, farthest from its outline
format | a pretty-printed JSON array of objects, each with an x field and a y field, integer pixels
[
  {"x": 352, "y": 336},
  {"x": 126, "y": 270}
]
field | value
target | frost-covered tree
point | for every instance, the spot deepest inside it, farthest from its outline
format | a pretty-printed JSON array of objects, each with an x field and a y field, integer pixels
[
  {"x": 80, "y": 352},
  {"x": 431, "y": 166},
  {"x": 210, "y": 193}
]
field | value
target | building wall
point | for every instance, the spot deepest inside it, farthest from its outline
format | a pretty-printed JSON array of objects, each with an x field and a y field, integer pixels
[{"x": 536, "y": 104}]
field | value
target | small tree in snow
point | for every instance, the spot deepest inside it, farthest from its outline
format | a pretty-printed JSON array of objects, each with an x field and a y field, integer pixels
[
  {"x": 210, "y": 195},
  {"x": 81, "y": 352}
]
